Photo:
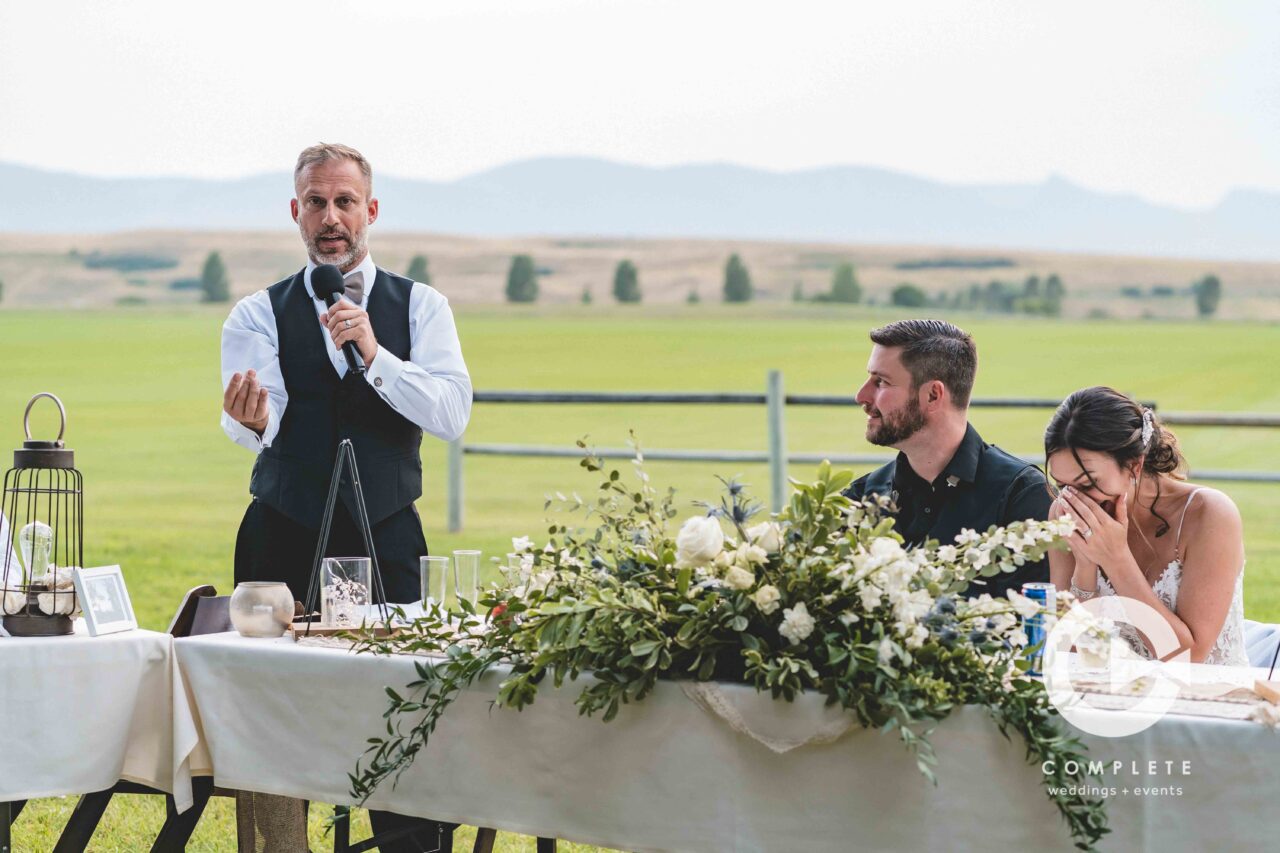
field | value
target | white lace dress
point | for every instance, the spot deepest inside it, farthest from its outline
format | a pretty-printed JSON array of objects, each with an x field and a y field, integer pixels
[{"x": 1229, "y": 650}]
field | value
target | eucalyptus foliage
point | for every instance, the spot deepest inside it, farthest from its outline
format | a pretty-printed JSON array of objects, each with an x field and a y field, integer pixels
[{"x": 821, "y": 598}]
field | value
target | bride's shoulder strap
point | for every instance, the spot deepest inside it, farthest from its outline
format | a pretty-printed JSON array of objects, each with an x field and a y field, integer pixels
[{"x": 1177, "y": 541}]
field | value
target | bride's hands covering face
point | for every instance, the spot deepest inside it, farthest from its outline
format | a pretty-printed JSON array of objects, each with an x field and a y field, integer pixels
[{"x": 1098, "y": 538}]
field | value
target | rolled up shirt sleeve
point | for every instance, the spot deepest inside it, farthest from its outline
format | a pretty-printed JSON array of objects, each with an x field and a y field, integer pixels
[
  {"x": 250, "y": 342},
  {"x": 432, "y": 388}
]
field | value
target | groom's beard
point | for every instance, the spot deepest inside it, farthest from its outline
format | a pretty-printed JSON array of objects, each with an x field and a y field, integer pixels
[{"x": 895, "y": 428}]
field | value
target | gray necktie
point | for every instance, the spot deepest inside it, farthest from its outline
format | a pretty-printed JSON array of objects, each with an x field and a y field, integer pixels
[{"x": 355, "y": 286}]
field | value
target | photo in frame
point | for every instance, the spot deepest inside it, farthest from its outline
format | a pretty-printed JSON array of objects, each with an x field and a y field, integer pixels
[{"x": 104, "y": 600}]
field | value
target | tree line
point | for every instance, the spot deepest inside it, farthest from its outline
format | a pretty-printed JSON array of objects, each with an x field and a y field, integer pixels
[{"x": 1032, "y": 296}]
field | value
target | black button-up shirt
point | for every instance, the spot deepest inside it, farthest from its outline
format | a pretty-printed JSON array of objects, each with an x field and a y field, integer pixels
[{"x": 981, "y": 486}]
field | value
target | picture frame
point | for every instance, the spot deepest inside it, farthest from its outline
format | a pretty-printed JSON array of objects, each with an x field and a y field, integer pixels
[{"x": 104, "y": 600}]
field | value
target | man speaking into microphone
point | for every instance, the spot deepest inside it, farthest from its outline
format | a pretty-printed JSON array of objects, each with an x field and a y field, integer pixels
[{"x": 292, "y": 393}]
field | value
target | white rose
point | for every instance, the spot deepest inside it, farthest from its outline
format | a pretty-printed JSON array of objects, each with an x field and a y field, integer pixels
[
  {"x": 766, "y": 598},
  {"x": 699, "y": 541},
  {"x": 521, "y": 544},
  {"x": 739, "y": 578},
  {"x": 797, "y": 624},
  {"x": 751, "y": 554},
  {"x": 767, "y": 535}
]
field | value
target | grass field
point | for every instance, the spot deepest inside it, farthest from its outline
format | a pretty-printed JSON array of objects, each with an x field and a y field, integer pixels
[{"x": 165, "y": 489}]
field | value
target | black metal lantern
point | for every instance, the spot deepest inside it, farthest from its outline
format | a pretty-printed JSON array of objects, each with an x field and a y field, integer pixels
[{"x": 43, "y": 500}]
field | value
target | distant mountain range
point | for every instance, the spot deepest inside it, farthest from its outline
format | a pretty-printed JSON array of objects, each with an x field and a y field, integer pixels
[{"x": 579, "y": 196}]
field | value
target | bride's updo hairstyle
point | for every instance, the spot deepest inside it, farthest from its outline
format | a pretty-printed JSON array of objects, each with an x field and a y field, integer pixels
[{"x": 1103, "y": 420}]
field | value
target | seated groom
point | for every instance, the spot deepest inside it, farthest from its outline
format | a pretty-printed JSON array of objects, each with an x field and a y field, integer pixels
[{"x": 945, "y": 478}]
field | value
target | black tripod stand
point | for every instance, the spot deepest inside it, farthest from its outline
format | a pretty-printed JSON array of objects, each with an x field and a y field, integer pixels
[{"x": 346, "y": 458}]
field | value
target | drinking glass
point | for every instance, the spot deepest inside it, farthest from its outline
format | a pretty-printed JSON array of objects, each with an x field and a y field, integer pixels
[
  {"x": 434, "y": 573},
  {"x": 466, "y": 574},
  {"x": 344, "y": 598},
  {"x": 519, "y": 567}
]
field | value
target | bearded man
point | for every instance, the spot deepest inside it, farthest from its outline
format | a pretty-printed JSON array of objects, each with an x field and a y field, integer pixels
[
  {"x": 290, "y": 398},
  {"x": 945, "y": 477}
]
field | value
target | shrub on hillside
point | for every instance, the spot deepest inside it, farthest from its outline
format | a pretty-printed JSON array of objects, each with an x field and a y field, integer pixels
[{"x": 522, "y": 280}]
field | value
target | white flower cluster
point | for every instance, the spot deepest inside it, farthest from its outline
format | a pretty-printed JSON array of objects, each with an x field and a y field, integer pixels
[
  {"x": 1001, "y": 617},
  {"x": 976, "y": 551},
  {"x": 887, "y": 574}
]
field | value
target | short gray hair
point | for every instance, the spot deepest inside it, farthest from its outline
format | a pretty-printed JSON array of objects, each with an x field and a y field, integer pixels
[{"x": 323, "y": 152}]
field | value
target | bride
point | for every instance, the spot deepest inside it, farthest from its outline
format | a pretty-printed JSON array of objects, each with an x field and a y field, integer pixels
[{"x": 1142, "y": 531}]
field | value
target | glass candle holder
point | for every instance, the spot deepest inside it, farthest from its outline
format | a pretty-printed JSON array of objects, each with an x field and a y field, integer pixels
[
  {"x": 261, "y": 609},
  {"x": 434, "y": 575},
  {"x": 344, "y": 594}
]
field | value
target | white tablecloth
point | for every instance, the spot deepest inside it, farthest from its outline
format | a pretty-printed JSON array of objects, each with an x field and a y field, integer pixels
[
  {"x": 79, "y": 713},
  {"x": 667, "y": 775}
]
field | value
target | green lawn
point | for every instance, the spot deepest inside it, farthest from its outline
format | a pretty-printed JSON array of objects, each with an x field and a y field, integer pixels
[{"x": 165, "y": 489}]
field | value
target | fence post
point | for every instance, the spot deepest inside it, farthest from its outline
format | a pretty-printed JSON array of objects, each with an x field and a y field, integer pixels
[
  {"x": 776, "y": 401},
  {"x": 455, "y": 485}
]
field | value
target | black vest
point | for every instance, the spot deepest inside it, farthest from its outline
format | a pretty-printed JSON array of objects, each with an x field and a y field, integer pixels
[{"x": 293, "y": 474}]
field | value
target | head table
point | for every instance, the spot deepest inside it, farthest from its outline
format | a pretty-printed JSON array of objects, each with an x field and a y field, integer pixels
[{"x": 292, "y": 719}]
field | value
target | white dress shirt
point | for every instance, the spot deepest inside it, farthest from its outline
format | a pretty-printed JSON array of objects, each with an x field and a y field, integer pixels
[{"x": 432, "y": 389}]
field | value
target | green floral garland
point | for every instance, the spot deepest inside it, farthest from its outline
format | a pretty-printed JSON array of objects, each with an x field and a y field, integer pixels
[{"x": 821, "y": 598}]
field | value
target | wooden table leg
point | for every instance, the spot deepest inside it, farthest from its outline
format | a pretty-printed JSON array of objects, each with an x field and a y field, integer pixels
[
  {"x": 341, "y": 829},
  {"x": 546, "y": 845},
  {"x": 177, "y": 828},
  {"x": 83, "y": 821},
  {"x": 8, "y": 814},
  {"x": 484, "y": 840}
]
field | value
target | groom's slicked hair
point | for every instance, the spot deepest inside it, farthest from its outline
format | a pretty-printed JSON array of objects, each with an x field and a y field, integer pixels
[{"x": 934, "y": 350}]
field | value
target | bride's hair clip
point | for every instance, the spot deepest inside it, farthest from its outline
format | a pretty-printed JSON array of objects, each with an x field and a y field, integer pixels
[{"x": 1148, "y": 428}]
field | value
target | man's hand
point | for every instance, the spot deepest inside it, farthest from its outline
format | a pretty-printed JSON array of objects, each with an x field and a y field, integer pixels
[
  {"x": 347, "y": 322},
  {"x": 246, "y": 402}
]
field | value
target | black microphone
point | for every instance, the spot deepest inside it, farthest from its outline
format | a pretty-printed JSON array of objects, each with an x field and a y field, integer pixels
[{"x": 327, "y": 283}]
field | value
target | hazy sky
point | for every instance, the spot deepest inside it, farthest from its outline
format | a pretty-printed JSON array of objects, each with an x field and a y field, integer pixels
[{"x": 1175, "y": 101}]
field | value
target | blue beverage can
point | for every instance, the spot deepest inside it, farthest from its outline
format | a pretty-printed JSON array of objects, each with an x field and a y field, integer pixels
[{"x": 1035, "y": 627}]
